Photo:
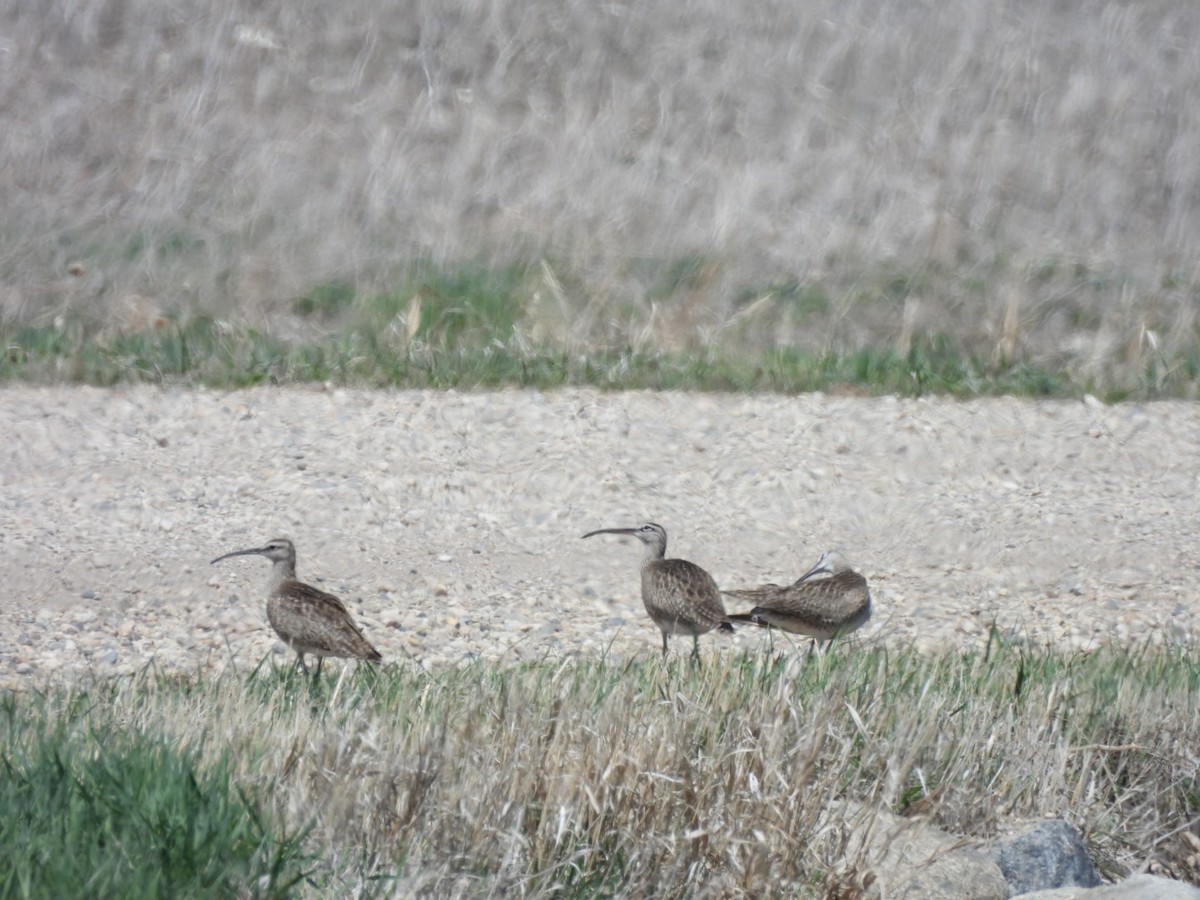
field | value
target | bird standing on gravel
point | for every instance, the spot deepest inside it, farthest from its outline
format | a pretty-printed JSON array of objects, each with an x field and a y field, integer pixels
[
  {"x": 821, "y": 609},
  {"x": 680, "y": 596},
  {"x": 307, "y": 619}
]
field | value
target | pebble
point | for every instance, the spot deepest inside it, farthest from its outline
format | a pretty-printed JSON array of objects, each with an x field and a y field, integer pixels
[{"x": 997, "y": 512}]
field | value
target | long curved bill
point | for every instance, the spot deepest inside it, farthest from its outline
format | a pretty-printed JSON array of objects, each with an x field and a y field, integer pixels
[
  {"x": 253, "y": 552},
  {"x": 628, "y": 531},
  {"x": 815, "y": 570}
]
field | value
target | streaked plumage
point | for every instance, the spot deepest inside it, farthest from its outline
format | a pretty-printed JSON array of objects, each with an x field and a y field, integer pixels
[
  {"x": 307, "y": 619},
  {"x": 821, "y": 609},
  {"x": 680, "y": 596}
]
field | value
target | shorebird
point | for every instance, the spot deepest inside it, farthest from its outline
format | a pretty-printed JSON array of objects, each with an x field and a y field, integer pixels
[
  {"x": 307, "y": 619},
  {"x": 680, "y": 596},
  {"x": 821, "y": 609}
]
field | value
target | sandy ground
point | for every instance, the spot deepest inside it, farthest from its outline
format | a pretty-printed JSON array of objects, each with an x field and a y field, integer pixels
[{"x": 451, "y": 523}]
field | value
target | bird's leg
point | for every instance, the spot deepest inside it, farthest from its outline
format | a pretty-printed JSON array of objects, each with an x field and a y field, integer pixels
[
  {"x": 300, "y": 662},
  {"x": 695, "y": 648},
  {"x": 664, "y": 645},
  {"x": 320, "y": 660}
]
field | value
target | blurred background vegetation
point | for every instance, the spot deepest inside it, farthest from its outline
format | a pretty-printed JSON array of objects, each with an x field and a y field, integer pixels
[{"x": 882, "y": 196}]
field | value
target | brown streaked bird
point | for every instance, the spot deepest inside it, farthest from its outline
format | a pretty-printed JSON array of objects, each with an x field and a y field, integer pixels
[
  {"x": 680, "y": 596},
  {"x": 821, "y": 609},
  {"x": 307, "y": 619}
]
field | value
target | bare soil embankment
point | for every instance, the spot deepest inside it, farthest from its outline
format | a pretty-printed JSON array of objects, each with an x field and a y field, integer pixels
[{"x": 450, "y": 522}]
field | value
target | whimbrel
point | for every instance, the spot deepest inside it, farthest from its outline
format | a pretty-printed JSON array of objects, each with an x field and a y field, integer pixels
[
  {"x": 680, "y": 596},
  {"x": 307, "y": 619},
  {"x": 821, "y": 609}
]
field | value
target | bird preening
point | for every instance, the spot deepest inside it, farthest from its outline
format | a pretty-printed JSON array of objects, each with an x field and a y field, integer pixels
[
  {"x": 306, "y": 618},
  {"x": 822, "y": 608},
  {"x": 680, "y": 596}
]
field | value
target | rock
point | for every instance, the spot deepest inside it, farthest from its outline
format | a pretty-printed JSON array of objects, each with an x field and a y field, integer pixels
[
  {"x": 962, "y": 874},
  {"x": 1051, "y": 854},
  {"x": 1139, "y": 887},
  {"x": 916, "y": 861},
  {"x": 108, "y": 658}
]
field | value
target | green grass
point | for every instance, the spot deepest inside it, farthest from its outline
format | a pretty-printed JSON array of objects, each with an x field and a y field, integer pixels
[
  {"x": 202, "y": 352},
  {"x": 99, "y": 813},
  {"x": 593, "y": 776},
  {"x": 476, "y": 326}
]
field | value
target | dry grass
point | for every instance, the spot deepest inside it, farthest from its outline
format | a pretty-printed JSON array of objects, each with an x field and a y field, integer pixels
[
  {"x": 1016, "y": 174},
  {"x": 744, "y": 776}
]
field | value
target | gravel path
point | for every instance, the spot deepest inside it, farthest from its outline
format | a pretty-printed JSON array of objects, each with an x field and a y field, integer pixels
[{"x": 450, "y": 522}]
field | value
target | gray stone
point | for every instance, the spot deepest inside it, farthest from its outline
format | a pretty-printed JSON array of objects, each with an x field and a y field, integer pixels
[
  {"x": 916, "y": 861},
  {"x": 960, "y": 874},
  {"x": 1139, "y": 887},
  {"x": 1051, "y": 854}
]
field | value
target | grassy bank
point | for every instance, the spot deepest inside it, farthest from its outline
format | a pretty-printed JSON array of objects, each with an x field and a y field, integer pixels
[
  {"x": 899, "y": 197},
  {"x": 595, "y": 777}
]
